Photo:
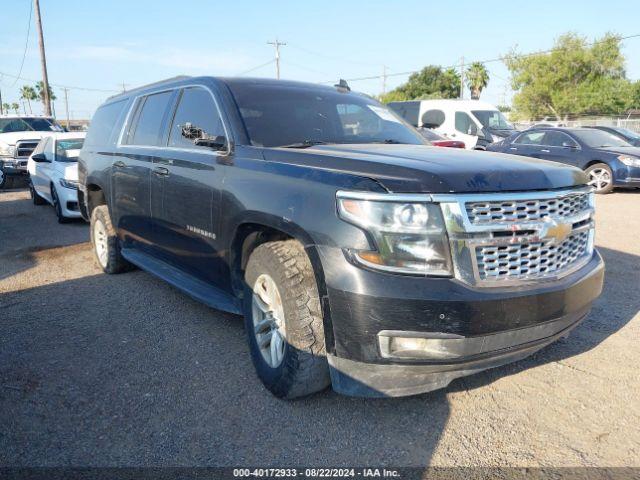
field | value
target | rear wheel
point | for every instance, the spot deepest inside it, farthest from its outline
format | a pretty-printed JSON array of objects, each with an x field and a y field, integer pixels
[
  {"x": 283, "y": 320},
  {"x": 37, "y": 199},
  {"x": 600, "y": 177},
  {"x": 106, "y": 246}
]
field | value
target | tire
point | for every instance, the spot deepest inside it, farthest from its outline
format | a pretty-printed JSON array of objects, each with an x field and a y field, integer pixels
[
  {"x": 37, "y": 199},
  {"x": 3, "y": 179},
  {"x": 302, "y": 369},
  {"x": 600, "y": 177},
  {"x": 57, "y": 207},
  {"x": 106, "y": 246}
]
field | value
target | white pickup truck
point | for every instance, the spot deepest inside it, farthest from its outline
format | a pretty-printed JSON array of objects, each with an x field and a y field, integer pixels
[{"x": 19, "y": 135}]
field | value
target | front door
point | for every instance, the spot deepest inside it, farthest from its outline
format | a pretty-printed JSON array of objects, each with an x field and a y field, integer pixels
[
  {"x": 132, "y": 170},
  {"x": 560, "y": 147},
  {"x": 186, "y": 181},
  {"x": 466, "y": 129}
]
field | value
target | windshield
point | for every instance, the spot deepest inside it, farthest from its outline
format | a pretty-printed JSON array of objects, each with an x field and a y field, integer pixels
[
  {"x": 492, "y": 119},
  {"x": 279, "y": 115},
  {"x": 627, "y": 133},
  {"x": 67, "y": 150},
  {"x": 23, "y": 124},
  {"x": 600, "y": 139}
]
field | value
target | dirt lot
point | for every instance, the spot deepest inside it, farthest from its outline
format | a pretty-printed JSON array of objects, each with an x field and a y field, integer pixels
[{"x": 125, "y": 370}]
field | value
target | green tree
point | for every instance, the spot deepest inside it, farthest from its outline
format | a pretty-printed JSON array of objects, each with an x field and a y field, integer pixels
[
  {"x": 477, "y": 78},
  {"x": 28, "y": 93},
  {"x": 40, "y": 92},
  {"x": 15, "y": 106},
  {"x": 430, "y": 82},
  {"x": 6, "y": 107},
  {"x": 574, "y": 78}
]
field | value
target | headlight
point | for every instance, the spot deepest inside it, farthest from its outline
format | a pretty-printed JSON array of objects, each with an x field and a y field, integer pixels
[
  {"x": 409, "y": 237},
  {"x": 629, "y": 161},
  {"x": 69, "y": 183},
  {"x": 7, "y": 150}
]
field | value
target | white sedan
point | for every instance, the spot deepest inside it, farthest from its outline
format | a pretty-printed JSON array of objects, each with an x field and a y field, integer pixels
[{"x": 53, "y": 173}]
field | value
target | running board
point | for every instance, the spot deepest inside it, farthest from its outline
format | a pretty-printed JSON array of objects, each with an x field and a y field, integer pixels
[{"x": 195, "y": 288}]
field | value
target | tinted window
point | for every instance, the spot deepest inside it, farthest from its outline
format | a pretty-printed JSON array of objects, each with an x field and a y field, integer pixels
[
  {"x": 197, "y": 108},
  {"x": 464, "y": 123},
  {"x": 103, "y": 123},
  {"x": 282, "y": 115},
  {"x": 149, "y": 123},
  {"x": 407, "y": 110},
  {"x": 429, "y": 134},
  {"x": 67, "y": 149},
  {"x": 558, "y": 139},
  {"x": 530, "y": 138},
  {"x": 599, "y": 139},
  {"x": 432, "y": 118},
  {"x": 23, "y": 124}
]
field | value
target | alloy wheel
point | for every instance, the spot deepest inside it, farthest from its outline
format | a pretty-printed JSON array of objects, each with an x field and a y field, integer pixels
[
  {"x": 268, "y": 320},
  {"x": 599, "y": 178},
  {"x": 100, "y": 241}
]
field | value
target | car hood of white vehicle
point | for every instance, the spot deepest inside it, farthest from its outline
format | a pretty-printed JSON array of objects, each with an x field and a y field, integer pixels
[
  {"x": 12, "y": 137},
  {"x": 68, "y": 170}
]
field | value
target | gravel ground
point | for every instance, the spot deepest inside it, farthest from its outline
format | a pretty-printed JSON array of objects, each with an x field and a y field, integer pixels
[{"x": 124, "y": 370}]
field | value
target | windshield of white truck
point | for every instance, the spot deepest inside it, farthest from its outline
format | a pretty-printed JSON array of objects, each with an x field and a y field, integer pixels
[
  {"x": 492, "y": 119},
  {"x": 24, "y": 124}
]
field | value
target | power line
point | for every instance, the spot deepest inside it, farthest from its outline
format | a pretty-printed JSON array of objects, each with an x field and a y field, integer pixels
[
  {"x": 491, "y": 60},
  {"x": 256, "y": 68},
  {"x": 57, "y": 85},
  {"x": 26, "y": 44}
]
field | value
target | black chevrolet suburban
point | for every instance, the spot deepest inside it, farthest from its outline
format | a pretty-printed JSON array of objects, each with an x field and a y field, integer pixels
[{"x": 360, "y": 257}]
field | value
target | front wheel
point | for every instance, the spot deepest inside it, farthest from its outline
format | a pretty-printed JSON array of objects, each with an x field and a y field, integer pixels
[
  {"x": 600, "y": 177},
  {"x": 57, "y": 206},
  {"x": 283, "y": 320},
  {"x": 3, "y": 178}
]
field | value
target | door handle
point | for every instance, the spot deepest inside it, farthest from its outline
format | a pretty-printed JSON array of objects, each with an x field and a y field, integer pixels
[
  {"x": 544, "y": 150},
  {"x": 119, "y": 164},
  {"x": 161, "y": 171},
  {"x": 513, "y": 148}
]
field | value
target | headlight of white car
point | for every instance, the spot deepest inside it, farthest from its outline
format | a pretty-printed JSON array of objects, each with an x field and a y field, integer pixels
[
  {"x": 629, "y": 161},
  {"x": 410, "y": 237},
  {"x": 7, "y": 150},
  {"x": 69, "y": 183}
]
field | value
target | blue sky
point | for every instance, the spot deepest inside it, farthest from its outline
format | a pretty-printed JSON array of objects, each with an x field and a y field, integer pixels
[{"x": 102, "y": 44}]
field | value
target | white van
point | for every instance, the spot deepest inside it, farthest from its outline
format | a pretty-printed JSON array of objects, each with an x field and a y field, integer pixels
[{"x": 474, "y": 122}]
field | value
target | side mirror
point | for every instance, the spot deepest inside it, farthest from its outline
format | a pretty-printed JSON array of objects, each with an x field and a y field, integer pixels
[
  {"x": 40, "y": 158},
  {"x": 473, "y": 130}
]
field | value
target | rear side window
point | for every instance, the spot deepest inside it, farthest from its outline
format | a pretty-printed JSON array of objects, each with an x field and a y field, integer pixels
[
  {"x": 530, "y": 138},
  {"x": 103, "y": 123},
  {"x": 407, "y": 110},
  {"x": 197, "y": 108},
  {"x": 152, "y": 109},
  {"x": 432, "y": 118}
]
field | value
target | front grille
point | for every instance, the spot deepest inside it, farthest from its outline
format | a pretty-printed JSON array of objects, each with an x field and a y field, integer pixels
[
  {"x": 24, "y": 148},
  {"x": 530, "y": 260},
  {"x": 507, "y": 239},
  {"x": 525, "y": 210}
]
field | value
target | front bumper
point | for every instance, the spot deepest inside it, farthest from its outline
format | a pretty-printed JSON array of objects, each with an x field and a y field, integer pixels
[
  {"x": 13, "y": 166},
  {"x": 480, "y": 328},
  {"x": 68, "y": 202}
]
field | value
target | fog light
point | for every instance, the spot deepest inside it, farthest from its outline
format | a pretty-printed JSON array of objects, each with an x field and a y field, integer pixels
[{"x": 392, "y": 346}]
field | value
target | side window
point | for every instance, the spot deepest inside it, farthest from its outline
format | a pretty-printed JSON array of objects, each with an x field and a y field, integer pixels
[
  {"x": 407, "y": 110},
  {"x": 465, "y": 124},
  {"x": 103, "y": 123},
  {"x": 432, "y": 118},
  {"x": 559, "y": 139},
  {"x": 530, "y": 138},
  {"x": 196, "y": 114},
  {"x": 149, "y": 122}
]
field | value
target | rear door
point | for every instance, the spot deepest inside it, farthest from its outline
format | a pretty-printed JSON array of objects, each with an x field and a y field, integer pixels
[
  {"x": 186, "y": 186},
  {"x": 140, "y": 144}
]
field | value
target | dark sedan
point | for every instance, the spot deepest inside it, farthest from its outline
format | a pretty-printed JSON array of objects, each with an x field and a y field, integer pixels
[
  {"x": 607, "y": 159},
  {"x": 624, "y": 133}
]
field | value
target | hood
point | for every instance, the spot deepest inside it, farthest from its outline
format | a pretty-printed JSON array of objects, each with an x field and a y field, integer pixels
[
  {"x": 12, "y": 137},
  {"x": 423, "y": 169},
  {"x": 69, "y": 170}
]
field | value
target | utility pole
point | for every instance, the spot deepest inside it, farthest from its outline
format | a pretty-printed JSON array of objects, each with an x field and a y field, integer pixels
[
  {"x": 66, "y": 105},
  {"x": 43, "y": 60},
  {"x": 462, "y": 77},
  {"x": 124, "y": 87},
  {"x": 277, "y": 46},
  {"x": 384, "y": 79},
  {"x": 1, "y": 107}
]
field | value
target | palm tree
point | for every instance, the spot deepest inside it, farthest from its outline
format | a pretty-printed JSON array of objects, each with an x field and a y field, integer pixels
[
  {"x": 28, "y": 93},
  {"x": 15, "y": 106},
  {"x": 40, "y": 92},
  {"x": 6, "y": 107},
  {"x": 477, "y": 78}
]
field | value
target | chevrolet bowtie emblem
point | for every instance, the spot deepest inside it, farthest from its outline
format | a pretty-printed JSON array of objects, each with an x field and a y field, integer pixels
[{"x": 557, "y": 232}]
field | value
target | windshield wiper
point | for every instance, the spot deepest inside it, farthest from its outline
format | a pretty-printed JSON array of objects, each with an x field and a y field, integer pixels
[{"x": 304, "y": 144}]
